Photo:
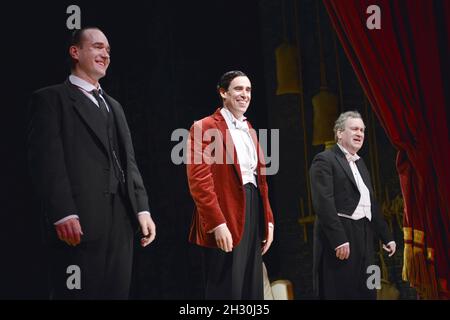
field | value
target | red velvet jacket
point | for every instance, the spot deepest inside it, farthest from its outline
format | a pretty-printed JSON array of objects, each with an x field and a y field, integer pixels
[{"x": 217, "y": 188}]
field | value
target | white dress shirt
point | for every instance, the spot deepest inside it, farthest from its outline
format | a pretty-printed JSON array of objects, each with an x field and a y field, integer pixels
[
  {"x": 363, "y": 209},
  {"x": 245, "y": 148},
  {"x": 86, "y": 88}
]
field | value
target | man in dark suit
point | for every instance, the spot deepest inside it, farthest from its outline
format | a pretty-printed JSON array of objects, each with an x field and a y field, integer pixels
[
  {"x": 347, "y": 213},
  {"x": 83, "y": 167},
  {"x": 233, "y": 220}
]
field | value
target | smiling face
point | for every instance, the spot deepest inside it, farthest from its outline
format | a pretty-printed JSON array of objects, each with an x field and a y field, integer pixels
[
  {"x": 92, "y": 56},
  {"x": 352, "y": 137},
  {"x": 237, "y": 97}
]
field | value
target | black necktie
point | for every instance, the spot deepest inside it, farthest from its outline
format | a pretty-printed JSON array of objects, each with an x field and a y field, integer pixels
[{"x": 101, "y": 103}]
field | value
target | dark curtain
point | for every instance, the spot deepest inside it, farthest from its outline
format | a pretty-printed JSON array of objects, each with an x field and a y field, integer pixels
[{"x": 404, "y": 70}]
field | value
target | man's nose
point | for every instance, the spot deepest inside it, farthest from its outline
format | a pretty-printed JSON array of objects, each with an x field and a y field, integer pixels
[{"x": 105, "y": 54}]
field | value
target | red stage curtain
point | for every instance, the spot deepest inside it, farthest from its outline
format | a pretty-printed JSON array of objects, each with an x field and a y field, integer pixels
[{"x": 403, "y": 68}]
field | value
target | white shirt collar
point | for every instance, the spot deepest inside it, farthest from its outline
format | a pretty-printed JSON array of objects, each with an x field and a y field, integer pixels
[
  {"x": 347, "y": 154},
  {"x": 83, "y": 84},
  {"x": 236, "y": 122}
]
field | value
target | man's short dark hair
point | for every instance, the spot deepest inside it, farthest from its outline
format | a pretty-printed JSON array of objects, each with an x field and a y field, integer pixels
[
  {"x": 76, "y": 39},
  {"x": 227, "y": 77}
]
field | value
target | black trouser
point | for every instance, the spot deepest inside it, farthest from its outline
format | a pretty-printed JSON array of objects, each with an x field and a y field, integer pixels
[
  {"x": 238, "y": 274},
  {"x": 347, "y": 279},
  {"x": 105, "y": 264}
]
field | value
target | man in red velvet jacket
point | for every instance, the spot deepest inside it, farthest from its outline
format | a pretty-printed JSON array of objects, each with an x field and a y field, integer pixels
[{"x": 233, "y": 220}]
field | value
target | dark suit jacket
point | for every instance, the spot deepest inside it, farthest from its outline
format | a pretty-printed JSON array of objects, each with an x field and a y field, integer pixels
[
  {"x": 333, "y": 190},
  {"x": 68, "y": 158},
  {"x": 217, "y": 188}
]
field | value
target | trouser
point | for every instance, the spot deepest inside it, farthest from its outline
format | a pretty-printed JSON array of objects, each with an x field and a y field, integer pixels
[
  {"x": 238, "y": 274},
  {"x": 102, "y": 267},
  {"x": 347, "y": 279}
]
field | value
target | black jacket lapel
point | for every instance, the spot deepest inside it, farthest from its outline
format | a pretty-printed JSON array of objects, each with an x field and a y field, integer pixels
[
  {"x": 121, "y": 124},
  {"x": 93, "y": 117},
  {"x": 340, "y": 156}
]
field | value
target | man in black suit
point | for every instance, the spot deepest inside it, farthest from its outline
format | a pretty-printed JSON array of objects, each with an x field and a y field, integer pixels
[
  {"x": 347, "y": 213},
  {"x": 83, "y": 167}
]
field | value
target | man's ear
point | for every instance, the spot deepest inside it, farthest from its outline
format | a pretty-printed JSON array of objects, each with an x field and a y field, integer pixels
[
  {"x": 222, "y": 93},
  {"x": 74, "y": 52}
]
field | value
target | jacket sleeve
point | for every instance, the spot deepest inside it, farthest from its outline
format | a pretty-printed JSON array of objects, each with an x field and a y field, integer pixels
[
  {"x": 263, "y": 185},
  {"x": 378, "y": 222},
  {"x": 200, "y": 180},
  {"x": 140, "y": 193},
  {"x": 322, "y": 191},
  {"x": 46, "y": 157}
]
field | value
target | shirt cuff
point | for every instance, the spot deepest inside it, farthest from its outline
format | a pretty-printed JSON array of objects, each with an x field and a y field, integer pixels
[
  {"x": 66, "y": 218},
  {"x": 344, "y": 244},
  {"x": 143, "y": 212},
  {"x": 212, "y": 230}
]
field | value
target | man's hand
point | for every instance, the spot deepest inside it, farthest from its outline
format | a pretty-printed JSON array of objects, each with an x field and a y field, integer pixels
[
  {"x": 148, "y": 229},
  {"x": 343, "y": 252},
  {"x": 268, "y": 242},
  {"x": 224, "y": 239},
  {"x": 390, "y": 247},
  {"x": 70, "y": 231}
]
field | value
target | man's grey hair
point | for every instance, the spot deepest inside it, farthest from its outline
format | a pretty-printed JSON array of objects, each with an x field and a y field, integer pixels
[{"x": 339, "y": 125}]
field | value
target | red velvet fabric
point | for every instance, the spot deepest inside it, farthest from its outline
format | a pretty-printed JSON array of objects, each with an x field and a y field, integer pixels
[{"x": 403, "y": 68}]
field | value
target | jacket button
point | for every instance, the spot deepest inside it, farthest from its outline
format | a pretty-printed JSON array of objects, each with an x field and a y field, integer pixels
[{"x": 106, "y": 193}]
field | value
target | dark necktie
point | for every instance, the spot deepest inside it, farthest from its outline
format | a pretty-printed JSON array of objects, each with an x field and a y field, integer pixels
[{"x": 101, "y": 103}]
